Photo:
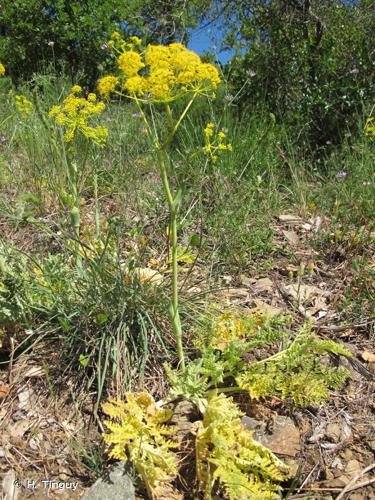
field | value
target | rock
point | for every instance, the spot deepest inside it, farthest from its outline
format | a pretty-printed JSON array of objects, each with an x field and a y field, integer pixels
[
  {"x": 25, "y": 397},
  {"x": 368, "y": 356},
  {"x": 115, "y": 485},
  {"x": 291, "y": 237},
  {"x": 372, "y": 445},
  {"x": 333, "y": 432},
  {"x": 285, "y": 438},
  {"x": 184, "y": 419},
  {"x": 9, "y": 486},
  {"x": 250, "y": 423},
  {"x": 338, "y": 482},
  {"x": 263, "y": 285},
  {"x": 245, "y": 281},
  {"x": 293, "y": 464},
  {"x": 306, "y": 293}
]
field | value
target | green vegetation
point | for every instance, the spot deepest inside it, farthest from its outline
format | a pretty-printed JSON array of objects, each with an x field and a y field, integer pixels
[{"x": 127, "y": 203}]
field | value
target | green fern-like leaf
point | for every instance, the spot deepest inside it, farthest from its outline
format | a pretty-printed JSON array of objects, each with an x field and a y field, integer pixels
[
  {"x": 301, "y": 372},
  {"x": 136, "y": 433},
  {"x": 228, "y": 454}
]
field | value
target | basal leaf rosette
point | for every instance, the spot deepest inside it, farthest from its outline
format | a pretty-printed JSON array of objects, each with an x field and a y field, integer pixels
[{"x": 160, "y": 74}]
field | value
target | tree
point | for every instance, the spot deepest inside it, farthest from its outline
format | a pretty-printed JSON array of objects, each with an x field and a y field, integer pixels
[
  {"x": 309, "y": 60},
  {"x": 70, "y": 33}
]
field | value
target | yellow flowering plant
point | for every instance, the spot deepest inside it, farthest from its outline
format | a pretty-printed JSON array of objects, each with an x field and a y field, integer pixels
[
  {"x": 2, "y": 69},
  {"x": 162, "y": 75},
  {"x": 214, "y": 142},
  {"x": 24, "y": 106},
  {"x": 75, "y": 117},
  {"x": 370, "y": 127}
]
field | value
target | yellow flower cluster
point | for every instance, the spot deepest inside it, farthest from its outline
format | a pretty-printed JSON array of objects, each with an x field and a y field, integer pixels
[
  {"x": 75, "y": 113},
  {"x": 370, "y": 127},
  {"x": 214, "y": 143},
  {"x": 2, "y": 69},
  {"x": 107, "y": 85},
  {"x": 130, "y": 63},
  {"x": 118, "y": 44},
  {"x": 24, "y": 106},
  {"x": 160, "y": 73}
]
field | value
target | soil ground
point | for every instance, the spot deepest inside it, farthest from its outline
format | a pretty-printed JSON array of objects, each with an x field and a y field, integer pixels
[{"x": 48, "y": 432}]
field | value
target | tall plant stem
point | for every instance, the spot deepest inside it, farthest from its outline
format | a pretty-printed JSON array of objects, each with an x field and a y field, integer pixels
[
  {"x": 173, "y": 209},
  {"x": 97, "y": 208},
  {"x": 173, "y": 205}
]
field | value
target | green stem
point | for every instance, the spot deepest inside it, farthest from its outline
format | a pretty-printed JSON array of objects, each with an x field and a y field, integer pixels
[
  {"x": 173, "y": 204},
  {"x": 229, "y": 390},
  {"x": 7, "y": 119},
  {"x": 173, "y": 209},
  {"x": 173, "y": 127},
  {"x": 97, "y": 210},
  {"x": 75, "y": 215}
]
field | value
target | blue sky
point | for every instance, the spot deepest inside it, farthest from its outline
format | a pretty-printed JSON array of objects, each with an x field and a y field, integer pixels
[{"x": 208, "y": 38}]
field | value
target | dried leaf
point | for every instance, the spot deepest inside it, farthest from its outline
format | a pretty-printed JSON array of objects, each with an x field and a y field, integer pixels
[
  {"x": 289, "y": 218},
  {"x": 368, "y": 356},
  {"x": 268, "y": 309},
  {"x": 34, "y": 371},
  {"x": 24, "y": 398},
  {"x": 19, "y": 428},
  {"x": 4, "y": 390},
  {"x": 263, "y": 285},
  {"x": 304, "y": 293}
]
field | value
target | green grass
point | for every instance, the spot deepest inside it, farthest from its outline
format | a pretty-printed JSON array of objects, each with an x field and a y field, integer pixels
[{"x": 106, "y": 325}]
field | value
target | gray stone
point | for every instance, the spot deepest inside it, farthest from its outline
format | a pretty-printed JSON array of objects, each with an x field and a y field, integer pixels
[
  {"x": 115, "y": 485},
  {"x": 250, "y": 423},
  {"x": 285, "y": 437}
]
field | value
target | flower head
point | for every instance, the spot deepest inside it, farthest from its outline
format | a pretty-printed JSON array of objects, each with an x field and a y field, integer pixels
[
  {"x": 130, "y": 63},
  {"x": 161, "y": 73},
  {"x": 75, "y": 114},
  {"x": 214, "y": 143},
  {"x": 2, "y": 69},
  {"x": 76, "y": 89},
  {"x": 107, "y": 85},
  {"x": 341, "y": 174},
  {"x": 24, "y": 106},
  {"x": 370, "y": 126}
]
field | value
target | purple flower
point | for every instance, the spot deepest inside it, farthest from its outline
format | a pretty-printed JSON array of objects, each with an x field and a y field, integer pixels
[
  {"x": 3, "y": 138},
  {"x": 104, "y": 46},
  {"x": 251, "y": 73},
  {"x": 341, "y": 174}
]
